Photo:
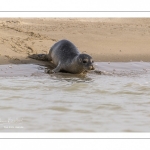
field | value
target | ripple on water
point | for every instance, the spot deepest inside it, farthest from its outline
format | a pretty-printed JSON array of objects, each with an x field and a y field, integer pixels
[{"x": 62, "y": 109}]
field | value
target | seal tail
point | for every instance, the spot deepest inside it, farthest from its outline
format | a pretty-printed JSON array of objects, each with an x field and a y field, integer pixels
[{"x": 43, "y": 57}]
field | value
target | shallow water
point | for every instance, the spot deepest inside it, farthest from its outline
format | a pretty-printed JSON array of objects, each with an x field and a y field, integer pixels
[{"x": 118, "y": 100}]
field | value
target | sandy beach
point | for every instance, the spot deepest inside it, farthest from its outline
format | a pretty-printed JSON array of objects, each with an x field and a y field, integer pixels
[{"x": 105, "y": 39}]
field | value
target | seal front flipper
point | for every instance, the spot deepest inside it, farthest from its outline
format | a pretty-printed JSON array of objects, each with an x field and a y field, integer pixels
[
  {"x": 57, "y": 69},
  {"x": 49, "y": 71}
]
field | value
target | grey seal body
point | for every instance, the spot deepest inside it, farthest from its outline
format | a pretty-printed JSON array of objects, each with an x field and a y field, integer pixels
[{"x": 66, "y": 57}]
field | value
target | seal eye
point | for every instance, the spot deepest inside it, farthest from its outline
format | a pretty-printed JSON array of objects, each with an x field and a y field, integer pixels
[{"x": 84, "y": 61}]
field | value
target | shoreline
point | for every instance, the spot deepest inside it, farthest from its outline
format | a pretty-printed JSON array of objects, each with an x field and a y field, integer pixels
[
  {"x": 105, "y": 39},
  {"x": 101, "y": 68}
]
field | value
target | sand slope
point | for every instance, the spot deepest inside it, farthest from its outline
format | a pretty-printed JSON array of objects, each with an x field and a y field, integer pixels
[{"x": 106, "y": 39}]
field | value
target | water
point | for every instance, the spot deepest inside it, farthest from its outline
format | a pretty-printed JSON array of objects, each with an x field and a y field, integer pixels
[{"x": 118, "y": 100}]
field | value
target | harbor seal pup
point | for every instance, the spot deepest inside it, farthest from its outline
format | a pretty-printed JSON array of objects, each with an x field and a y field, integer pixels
[{"x": 66, "y": 57}]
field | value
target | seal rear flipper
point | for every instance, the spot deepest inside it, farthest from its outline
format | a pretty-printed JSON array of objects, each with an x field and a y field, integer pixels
[{"x": 43, "y": 57}]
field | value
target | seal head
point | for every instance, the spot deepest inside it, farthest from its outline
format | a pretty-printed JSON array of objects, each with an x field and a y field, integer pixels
[{"x": 86, "y": 62}]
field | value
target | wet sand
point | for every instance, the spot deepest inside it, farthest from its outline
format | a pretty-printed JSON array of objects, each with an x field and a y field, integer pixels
[
  {"x": 101, "y": 68},
  {"x": 106, "y": 39},
  {"x": 14, "y": 70}
]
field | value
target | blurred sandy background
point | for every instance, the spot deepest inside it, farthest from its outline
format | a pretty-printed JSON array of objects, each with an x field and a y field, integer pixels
[{"x": 106, "y": 39}]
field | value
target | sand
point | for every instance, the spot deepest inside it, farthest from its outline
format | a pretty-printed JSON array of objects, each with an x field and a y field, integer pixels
[{"x": 105, "y": 39}]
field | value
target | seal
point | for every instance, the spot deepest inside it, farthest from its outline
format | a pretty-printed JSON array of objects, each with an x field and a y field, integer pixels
[{"x": 66, "y": 57}]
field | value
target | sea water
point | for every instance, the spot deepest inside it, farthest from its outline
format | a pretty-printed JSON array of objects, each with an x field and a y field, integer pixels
[{"x": 116, "y": 100}]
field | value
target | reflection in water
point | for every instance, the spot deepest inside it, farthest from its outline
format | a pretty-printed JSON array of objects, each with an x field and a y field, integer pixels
[
  {"x": 70, "y": 77},
  {"x": 115, "y": 100}
]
